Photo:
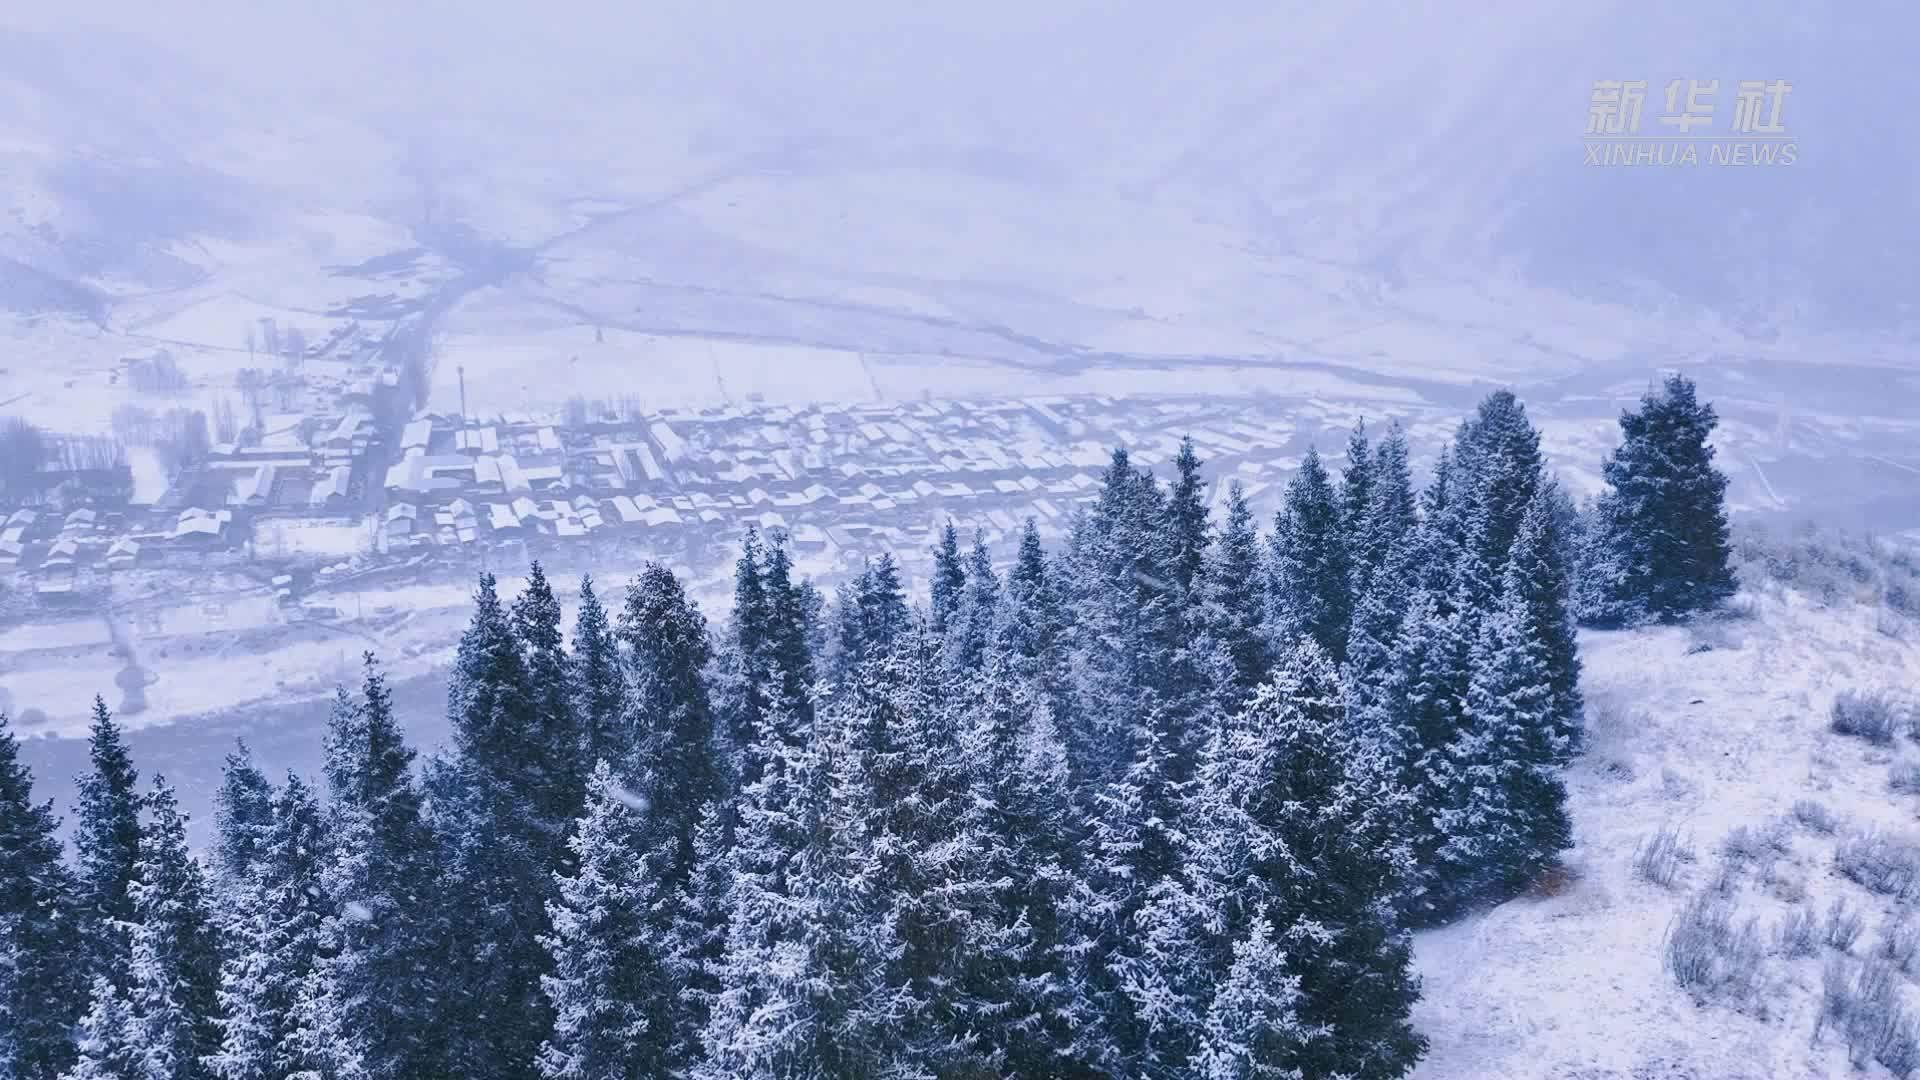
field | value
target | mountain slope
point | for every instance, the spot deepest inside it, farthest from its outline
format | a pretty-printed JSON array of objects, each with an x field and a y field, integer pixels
[{"x": 1572, "y": 985}]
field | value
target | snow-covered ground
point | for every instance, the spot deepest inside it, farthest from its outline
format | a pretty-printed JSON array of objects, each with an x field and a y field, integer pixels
[{"x": 1571, "y": 985}]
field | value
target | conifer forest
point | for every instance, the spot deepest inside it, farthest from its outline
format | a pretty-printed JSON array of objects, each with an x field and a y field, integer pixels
[{"x": 1165, "y": 801}]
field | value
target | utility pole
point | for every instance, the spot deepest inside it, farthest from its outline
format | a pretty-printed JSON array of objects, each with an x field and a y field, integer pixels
[{"x": 462, "y": 369}]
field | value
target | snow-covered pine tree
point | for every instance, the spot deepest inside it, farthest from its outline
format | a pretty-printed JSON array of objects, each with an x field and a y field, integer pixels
[
  {"x": 558, "y": 774},
  {"x": 599, "y": 684},
  {"x": 1357, "y": 495},
  {"x": 870, "y": 617},
  {"x": 242, "y": 813},
  {"x": 499, "y": 848},
  {"x": 949, "y": 578},
  {"x": 1032, "y": 587},
  {"x": 1124, "y": 625},
  {"x": 1017, "y": 842},
  {"x": 674, "y": 767},
  {"x": 1192, "y": 532},
  {"x": 104, "y": 1049},
  {"x": 793, "y": 610},
  {"x": 1539, "y": 573},
  {"x": 1133, "y": 849},
  {"x": 670, "y": 718},
  {"x": 1236, "y": 594},
  {"x": 742, "y": 682},
  {"x": 1501, "y": 458},
  {"x": 1425, "y": 709},
  {"x": 1506, "y": 819},
  {"x": 1328, "y": 817},
  {"x": 1662, "y": 548},
  {"x": 612, "y": 998},
  {"x": 1253, "y": 1029},
  {"x": 802, "y": 988},
  {"x": 42, "y": 981},
  {"x": 173, "y": 971},
  {"x": 372, "y": 1008},
  {"x": 1378, "y": 616},
  {"x": 970, "y": 626},
  {"x": 106, "y": 841},
  {"x": 1308, "y": 576},
  {"x": 1391, "y": 514},
  {"x": 273, "y": 941}
]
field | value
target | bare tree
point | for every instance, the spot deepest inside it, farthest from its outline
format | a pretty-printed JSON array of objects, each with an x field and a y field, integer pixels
[{"x": 22, "y": 451}]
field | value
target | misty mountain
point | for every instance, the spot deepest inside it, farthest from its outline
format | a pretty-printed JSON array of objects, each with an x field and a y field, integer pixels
[{"x": 1394, "y": 145}]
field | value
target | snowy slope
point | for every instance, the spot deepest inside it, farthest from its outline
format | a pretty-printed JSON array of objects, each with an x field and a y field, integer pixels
[{"x": 1571, "y": 985}]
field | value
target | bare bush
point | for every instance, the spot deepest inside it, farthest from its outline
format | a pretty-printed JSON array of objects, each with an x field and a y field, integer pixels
[
  {"x": 1814, "y": 816},
  {"x": 1905, "y": 778},
  {"x": 1884, "y": 864},
  {"x": 1797, "y": 935},
  {"x": 1878, "y": 1026},
  {"x": 1757, "y": 845},
  {"x": 1726, "y": 880},
  {"x": 1898, "y": 942},
  {"x": 1868, "y": 715},
  {"x": 1659, "y": 857},
  {"x": 1836, "y": 995},
  {"x": 1843, "y": 925},
  {"x": 1713, "y": 954}
]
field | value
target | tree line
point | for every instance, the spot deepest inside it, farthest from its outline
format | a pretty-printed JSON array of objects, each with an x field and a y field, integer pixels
[{"x": 1165, "y": 802}]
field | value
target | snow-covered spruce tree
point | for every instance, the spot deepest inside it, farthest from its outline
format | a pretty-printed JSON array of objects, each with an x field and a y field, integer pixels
[
  {"x": 273, "y": 941},
  {"x": 559, "y": 775},
  {"x": 42, "y": 982},
  {"x": 1539, "y": 579},
  {"x": 1379, "y": 614},
  {"x": 741, "y": 680},
  {"x": 1133, "y": 848},
  {"x": 1253, "y": 1029},
  {"x": 1187, "y": 520},
  {"x": 870, "y": 615},
  {"x": 949, "y": 578},
  {"x": 674, "y": 767},
  {"x": 242, "y": 813},
  {"x": 173, "y": 972},
  {"x": 1497, "y": 452},
  {"x": 1505, "y": 820},
  {"x": 1308, "y": 577},
  {"x": 1124, "y": 622},
  {"x": 609, "y": 990},
  {"x": 372, "y": 1009},
  {"x": 1356, "y": 498},
  {"x": 599, "y": 684},
  {"x": 1391, "y": 513},
  {"x": 1661, "y": 547},
  {"x": 898, "y": 780},
  {"x": 106, "y": 841},
  {"x": 970, "y": 626},
  {"x": 802, "y": 979},
  {"x": 1236, "y": 594},
  {"x": 103, "y": 1048},
  {"x": 670, "y": 718},
  {"x": 1327, "y": 813},
  {"x": 793, "y": 611},
  {"x": 1017, "y": 839},
  {"x": 499, "y": 846},
  {"x": 1424, "y": 707}
]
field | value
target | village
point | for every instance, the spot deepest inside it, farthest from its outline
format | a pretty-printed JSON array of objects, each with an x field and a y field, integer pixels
[{"x": 363, "y": 487}]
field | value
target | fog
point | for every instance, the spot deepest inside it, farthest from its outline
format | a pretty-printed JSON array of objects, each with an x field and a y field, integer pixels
[{"x": 1425, "y": 140}]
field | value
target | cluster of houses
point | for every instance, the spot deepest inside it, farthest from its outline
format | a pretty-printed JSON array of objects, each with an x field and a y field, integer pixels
[{"x": 842, "y": 481}]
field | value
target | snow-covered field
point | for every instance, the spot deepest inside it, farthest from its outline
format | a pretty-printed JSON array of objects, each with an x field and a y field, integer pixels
[{"x": 1571, "y": 985}]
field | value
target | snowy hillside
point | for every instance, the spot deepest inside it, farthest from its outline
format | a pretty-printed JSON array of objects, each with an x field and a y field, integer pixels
[{"x": 1706, "y": 730}]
